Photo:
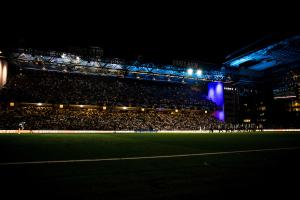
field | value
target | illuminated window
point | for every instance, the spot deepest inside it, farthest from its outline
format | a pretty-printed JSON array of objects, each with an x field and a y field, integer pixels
[
  {"x": 11, "y": 104},
  {"x": 263, "y": 108},
  {"x": 295, "y": 104},
  {"x": 247, "y": 120}
]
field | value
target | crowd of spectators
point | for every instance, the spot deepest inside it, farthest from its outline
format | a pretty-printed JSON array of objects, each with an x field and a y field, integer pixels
[
  {"x": 48, "y": 118},
  {"x": 71, "y": 88},
  {"x": 33, "y": 86}
]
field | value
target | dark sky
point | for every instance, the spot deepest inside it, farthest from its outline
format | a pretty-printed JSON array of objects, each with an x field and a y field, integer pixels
[{"x": 158, "y": 33}]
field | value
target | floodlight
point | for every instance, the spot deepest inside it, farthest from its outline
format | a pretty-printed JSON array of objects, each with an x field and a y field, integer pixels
[
  {"x": 190, "y": 71},
  {"x": 199, "y": 72}
]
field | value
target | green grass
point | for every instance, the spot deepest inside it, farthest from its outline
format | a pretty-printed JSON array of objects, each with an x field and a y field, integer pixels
[
  {"x": 28, "y": 147},
  {"x": 267, "y": 174}
]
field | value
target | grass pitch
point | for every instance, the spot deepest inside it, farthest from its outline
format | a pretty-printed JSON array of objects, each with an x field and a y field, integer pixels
[{"x": 241, "y": 175}]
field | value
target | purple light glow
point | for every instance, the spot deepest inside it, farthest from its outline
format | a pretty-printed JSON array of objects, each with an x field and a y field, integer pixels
[{"x": 216, "y": 95}]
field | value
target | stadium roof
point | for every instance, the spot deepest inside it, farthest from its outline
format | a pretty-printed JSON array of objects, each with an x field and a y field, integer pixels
[{"x": 277, "y": 53}]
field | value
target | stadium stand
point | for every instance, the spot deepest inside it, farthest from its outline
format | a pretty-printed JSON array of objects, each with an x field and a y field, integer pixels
[
  {"x": 168, "y": 105},
  {"x": 68, "y": 88},
  {"x": 47, "y": 118}
]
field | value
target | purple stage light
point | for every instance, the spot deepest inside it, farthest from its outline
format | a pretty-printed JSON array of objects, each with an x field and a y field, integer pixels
[{"x": 216, "y": 95}]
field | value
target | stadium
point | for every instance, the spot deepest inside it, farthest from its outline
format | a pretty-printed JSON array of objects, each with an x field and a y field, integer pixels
[
  {"x": 81, "y": 90},
  {"x": 77, "y": 124}
]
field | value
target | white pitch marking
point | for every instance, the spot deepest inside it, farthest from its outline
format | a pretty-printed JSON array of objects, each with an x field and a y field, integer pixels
[{"x": 146, "y": 157}]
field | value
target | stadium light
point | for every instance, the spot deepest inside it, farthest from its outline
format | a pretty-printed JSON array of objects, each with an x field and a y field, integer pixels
[
  {"x": 247, "y": 120},
  {"x": 39, "y": 104},
  {"x": 11, "y": 104},
  {"x": 77, "y": 58},
  {"x": 63, "y": 55},
  {"x": 199, "y": 72},
  {"x": 81, "y": 106},
  {"x": 143, "y": 109},
  {"x": 124, "y": 108},
  {"x": 190, "y": 71},
  {"x": 176, "y": 110},
  {"x": 0, "y": 51},
  {"x": 104, "y": 107},
  {"x": 205, "y": 111},
  {"x": 61, "y": 106}
]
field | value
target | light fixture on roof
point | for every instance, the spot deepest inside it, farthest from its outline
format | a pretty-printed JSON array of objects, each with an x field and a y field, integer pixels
[
  {"x": 199, "y": 72},
  {"x": 190, "y": 71}
]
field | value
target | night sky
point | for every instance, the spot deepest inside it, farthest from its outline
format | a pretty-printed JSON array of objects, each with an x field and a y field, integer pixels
[{"x": 157, "y": 33}]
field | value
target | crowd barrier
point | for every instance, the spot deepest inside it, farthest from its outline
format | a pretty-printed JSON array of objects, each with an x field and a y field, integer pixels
[{"x": 111, "y": 132}]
